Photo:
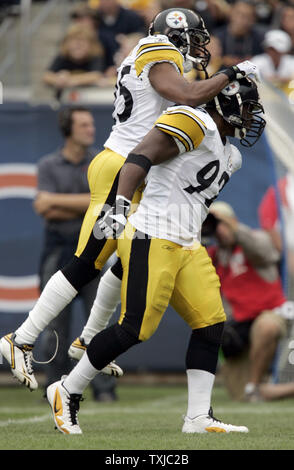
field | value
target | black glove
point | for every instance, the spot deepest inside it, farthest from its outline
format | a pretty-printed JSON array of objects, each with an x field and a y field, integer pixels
[{"x": 243, "y": 69}]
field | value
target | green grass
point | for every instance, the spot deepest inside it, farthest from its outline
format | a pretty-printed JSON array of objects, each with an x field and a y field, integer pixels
[{"x": 144, "y": 417}]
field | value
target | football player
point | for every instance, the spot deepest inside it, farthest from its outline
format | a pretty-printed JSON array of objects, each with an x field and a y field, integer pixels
[
  {"x": 187, "y": 159},
  {"x": 148, "y": 54},
  {"x": 149, "y": 80}
]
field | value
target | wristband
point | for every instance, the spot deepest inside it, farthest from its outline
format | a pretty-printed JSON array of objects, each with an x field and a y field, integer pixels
[
  {"x": 139, "y": 160},
  {"x": 232, "y": 73}
]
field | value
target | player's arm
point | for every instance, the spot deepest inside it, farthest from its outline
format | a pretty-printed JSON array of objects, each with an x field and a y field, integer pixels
[
  {"x": 172, "y": 86},
  {"x": 155, "y": 148},
  {"x": 163, "y": 64},
  {"x": 178, "y": 130}
]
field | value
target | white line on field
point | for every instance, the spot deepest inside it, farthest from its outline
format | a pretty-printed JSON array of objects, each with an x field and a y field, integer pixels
[
  {"x": 32, "y": 420},
  {"x": 158, "y": 403},
  {"x": 152, "y": 404},
  {"x": 146, "y": 410}
]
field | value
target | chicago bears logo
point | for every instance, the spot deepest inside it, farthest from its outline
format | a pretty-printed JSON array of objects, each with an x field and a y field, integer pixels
[
  {"x": 18, "y": 180},
  {"x": 18, "y": 293},
  {"x": 176, "y": 19}
]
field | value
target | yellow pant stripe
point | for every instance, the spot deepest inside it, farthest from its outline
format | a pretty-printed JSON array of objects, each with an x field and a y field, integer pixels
[{"x": 184, "y": 278}]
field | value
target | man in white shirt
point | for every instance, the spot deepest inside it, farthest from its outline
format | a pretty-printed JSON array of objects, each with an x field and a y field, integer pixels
[{"x": 276, "y": 64}]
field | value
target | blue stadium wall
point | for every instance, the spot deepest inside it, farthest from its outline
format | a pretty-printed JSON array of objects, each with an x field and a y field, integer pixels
[{"x": 26, "y": 134}]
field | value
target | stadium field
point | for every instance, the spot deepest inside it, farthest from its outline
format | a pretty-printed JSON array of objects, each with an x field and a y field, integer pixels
[{"x": 143, "y": 418}]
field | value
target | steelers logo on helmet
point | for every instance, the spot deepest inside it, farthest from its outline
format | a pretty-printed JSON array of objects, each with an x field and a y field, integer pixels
[
  {"x": 176, "y": 19},
  {"x": 231, "y": 89}
]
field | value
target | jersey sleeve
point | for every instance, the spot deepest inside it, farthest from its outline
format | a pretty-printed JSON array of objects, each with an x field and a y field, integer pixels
[
  {"x": 182, "y": 124},
  {"x": 235, "y": 159},
  {"x": 152, "y": 52}
]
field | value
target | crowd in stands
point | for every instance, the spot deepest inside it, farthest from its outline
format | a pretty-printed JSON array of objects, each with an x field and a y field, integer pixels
[{"x": 102, "y": 32}]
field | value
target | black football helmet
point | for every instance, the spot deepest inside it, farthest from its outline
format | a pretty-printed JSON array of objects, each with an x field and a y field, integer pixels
[
  {"x": 239, "y": 105},
  {"x": 186, "y": 30}
]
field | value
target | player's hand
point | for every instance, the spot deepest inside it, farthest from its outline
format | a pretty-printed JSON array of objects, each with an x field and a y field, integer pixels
[
  {"x": 243, "y": 69},
  {"x": 114, "y": 221}
]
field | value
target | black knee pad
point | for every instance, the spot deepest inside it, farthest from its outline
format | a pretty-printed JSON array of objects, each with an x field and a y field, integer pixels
[
  {"x": 109, "y": 344},
  {"x": 203, "y": 348},
  {"x": 79, "y": 273},
  {"x": 233, "y": 344}
]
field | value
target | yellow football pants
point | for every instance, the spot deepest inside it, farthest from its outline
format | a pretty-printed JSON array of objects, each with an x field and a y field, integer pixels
[
  {"x": 103, "y": 176},
  {"x": 157, "y": 272}
]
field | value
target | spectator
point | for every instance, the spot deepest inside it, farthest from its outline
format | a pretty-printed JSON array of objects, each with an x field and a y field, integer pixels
[
  {"x": 287, "y": 22},
  {"x": 214, "y": 12},
  {"x": 126, "y": 44},
  {"x": 149, "y": 11},
  {"x": 276, "y": 64},
  {"x": 84, "y": 15},
  {"x": 137, "y": 5},
  {"x": 81, "y": 61},
  {"x": 216, "y": 60},
  {"x": 62, "y": 200},
  {"x": 247, "y": 264},
  {"x": 265, "y": 11},
  {"x": 113, "y": 20},
  {"x": 240, "y": 39}
]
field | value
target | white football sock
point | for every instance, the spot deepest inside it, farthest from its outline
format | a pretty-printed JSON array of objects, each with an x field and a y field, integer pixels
[
  {"x": 200, "y": 385},
  {"x": 105, "y": 303},
  {"x": 57, "y": 293},
  {"x": 81, "y": 375}
]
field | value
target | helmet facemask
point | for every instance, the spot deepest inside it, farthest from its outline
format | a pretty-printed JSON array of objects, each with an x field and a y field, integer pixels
[
  {"x": 253, "y": 123},
  {"x": 191, "y": 43},
  {"x": 197, "y": 39}
]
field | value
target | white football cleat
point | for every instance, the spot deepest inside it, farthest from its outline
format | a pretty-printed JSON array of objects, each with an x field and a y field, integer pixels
[
  {"x": 77, "y": 349},
  {"x": 65, "y": 407},
  {"x": 208, "y": 423},
  {"x": 19, "y": 357}
]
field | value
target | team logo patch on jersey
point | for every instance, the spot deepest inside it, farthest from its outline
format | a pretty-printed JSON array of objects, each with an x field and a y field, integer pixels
[
  {"x": 176, "y": 19},
  {"x": 231, "y": 89}
]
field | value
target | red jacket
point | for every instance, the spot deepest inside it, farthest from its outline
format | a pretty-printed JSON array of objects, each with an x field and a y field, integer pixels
[{"x": 246, "y": 291}]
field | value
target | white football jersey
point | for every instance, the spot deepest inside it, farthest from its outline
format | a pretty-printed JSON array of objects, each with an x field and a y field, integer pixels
[
  {"x": 137, "y": 105},
  {"x": 179, "y": 191}
]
